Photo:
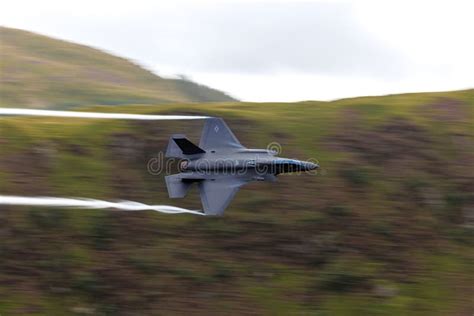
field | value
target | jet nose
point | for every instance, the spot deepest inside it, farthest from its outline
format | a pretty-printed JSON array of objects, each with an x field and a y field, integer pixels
[{"x": 312, "y": 166}]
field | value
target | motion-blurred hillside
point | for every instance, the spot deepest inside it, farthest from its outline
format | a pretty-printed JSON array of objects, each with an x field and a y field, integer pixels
[
  {"x": 40, "y": 72},
  {"x": 384, "y": 229}
]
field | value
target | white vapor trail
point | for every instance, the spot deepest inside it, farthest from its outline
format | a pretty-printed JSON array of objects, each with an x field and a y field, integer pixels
[
  {"x": 91, "y": 204},
  {"x": 116, "y": 116}
]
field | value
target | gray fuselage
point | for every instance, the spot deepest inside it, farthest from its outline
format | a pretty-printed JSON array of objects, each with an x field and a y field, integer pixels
[{"x": 241, "y": 161}]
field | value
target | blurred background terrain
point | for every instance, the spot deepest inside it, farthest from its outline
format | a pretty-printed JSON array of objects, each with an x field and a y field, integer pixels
[
  {"x": 41, "y": 72},
  {"x": 384, "y": 228}
]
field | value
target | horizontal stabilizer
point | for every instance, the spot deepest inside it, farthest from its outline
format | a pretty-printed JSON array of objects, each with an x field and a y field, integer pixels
[{"x": 177, "y": 188}]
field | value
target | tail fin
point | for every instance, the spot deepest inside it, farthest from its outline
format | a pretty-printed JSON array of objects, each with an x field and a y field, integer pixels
[
  {"x": 216, "y": 134},
  {"x": 180, "y": 147},
  {"x": 177, "y": 188}
]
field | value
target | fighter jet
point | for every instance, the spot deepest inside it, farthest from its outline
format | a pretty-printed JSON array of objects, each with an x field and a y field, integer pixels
[{"x": 220, "y": 165}]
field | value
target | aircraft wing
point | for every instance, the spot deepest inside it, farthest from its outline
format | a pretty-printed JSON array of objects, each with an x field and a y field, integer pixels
[
  {"x": 216, "y": 194},
  {"x": 216, "y": 134}
]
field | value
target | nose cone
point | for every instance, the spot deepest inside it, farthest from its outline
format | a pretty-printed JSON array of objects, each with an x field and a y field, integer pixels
[{"x": 311, "y": 166}]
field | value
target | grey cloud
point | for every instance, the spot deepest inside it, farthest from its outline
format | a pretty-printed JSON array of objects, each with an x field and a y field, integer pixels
[{"x": 264, "y": 38}]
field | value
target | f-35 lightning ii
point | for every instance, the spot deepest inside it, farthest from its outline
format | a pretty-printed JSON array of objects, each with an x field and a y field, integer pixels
[{"x": 220, "y": 165}]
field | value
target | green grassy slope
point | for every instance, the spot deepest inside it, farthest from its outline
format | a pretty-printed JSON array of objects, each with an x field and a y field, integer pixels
[
  {"x": 384, "y": 229},
  {"x": 41, "y": 72}
]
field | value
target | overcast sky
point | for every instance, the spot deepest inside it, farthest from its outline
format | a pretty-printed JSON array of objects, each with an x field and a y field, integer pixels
[{"x": 270, "y": 50}]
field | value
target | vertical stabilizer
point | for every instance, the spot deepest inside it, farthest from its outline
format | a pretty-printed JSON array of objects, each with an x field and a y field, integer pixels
[{"x": 181, "y": 147}]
